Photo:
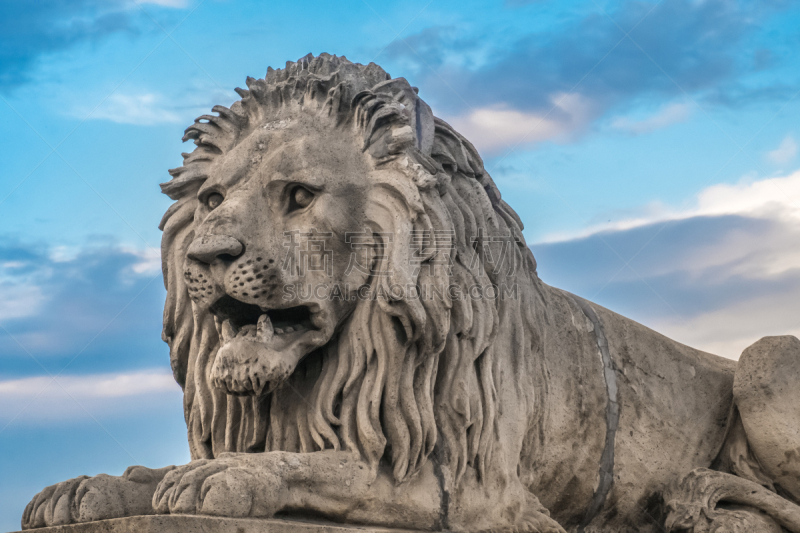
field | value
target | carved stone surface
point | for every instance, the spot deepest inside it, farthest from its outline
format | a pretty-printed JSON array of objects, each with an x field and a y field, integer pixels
[
  {"x": 361, "y": 334},
  {"x": 209, "y": 524}
]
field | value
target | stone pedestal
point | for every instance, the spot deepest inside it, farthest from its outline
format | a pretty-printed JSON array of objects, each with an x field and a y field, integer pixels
[{"x": 203, "y": 524}]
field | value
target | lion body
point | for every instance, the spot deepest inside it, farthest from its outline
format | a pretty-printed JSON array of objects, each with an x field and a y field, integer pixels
[
  {"x": 542, "y": 402},
  {"x": 653, "y": 407},
  {"x": 481, "y": 400}
]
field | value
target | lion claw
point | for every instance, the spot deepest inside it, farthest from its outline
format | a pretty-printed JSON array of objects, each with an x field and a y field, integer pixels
[{"x": 180, "y": 490}]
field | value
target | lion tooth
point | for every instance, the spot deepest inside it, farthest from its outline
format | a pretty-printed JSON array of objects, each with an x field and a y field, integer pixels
[
  {"x": 288, "y": 329},
  {"x": 318, "y": 319},
  {"x": 229, "y": 331},
  {"x": 264, "y": 328},
  {"x": 279, "y": 331}
]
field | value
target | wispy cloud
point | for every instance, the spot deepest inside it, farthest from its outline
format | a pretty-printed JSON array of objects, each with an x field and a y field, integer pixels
[
  {"x": 717, "y": 276},
  {"x": 40, "y": 398},
  {"x": 94, "y": 385},
  {"x": 101, "y": 301},
  {"x": 771, "y": 198},
  {"x": 785, "y": 152},
  {"x": 697, "y": 44},
  {"x": 149, "y": 262},
  {"x": 21, "y": 296},
  {"x": 148, "y": 107},
  {"x": 29, "y": 30},
  {"x": 666, "y": 116},
  {"x": 717, "y": 283},
  {"x": 19, "y": 301},
  {"x": 144, "y": 109},
  {"x": 728, "y": 330},
  {"x": 493, "y": 128}
]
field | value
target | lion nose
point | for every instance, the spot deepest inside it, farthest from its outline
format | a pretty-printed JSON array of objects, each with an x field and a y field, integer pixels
[{"x": 210, "y": 247}]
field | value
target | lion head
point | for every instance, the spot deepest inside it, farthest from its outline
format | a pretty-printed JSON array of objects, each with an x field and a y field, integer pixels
[{"x": 327, "y": 263}]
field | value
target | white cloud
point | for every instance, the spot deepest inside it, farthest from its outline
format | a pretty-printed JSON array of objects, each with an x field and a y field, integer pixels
[
  {"x": 666, "y": 116},
  {"x": 63, "y": 254},
  {"x": 149, "y": 260},
  {"x": 768, "y": 198},
  {"x": 494, "y": 128},
  {"x": 717, "y": 284},
  {"x": 785, "y": 152},
  {"x": 19, "y": 300},
  {"x": 727, "y": 331},
  {"x": 93, "y": 385},
  {"x": 28, "y": 287},
  {"x": 144, "y": 109},
  {"x": 21, "y": 297},
  {"x": 43, "y": 398},
  {"x": 771, "y": 196}
]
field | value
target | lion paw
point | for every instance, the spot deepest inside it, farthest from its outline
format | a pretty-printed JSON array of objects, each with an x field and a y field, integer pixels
[
  {"x": 179, "y": 491},
  {"x": 730, "y": 519},
  {"x": 699, "y": 504},
  {"x": 86, "y": 499},
  {"x": 230, "y": 493},
  {"x": 218, "y": 487},
  {"x": 53, "y": 506}
]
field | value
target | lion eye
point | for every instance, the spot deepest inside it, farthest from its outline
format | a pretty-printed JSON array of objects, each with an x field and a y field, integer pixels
[
  {"x": 213, "y": 200},
  {"x": 300, "y": 198}
]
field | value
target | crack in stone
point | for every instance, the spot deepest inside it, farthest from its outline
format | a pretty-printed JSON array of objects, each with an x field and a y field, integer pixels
[
  {"x": 606, "y": 472},
  {"x": 444, "y": 494}
]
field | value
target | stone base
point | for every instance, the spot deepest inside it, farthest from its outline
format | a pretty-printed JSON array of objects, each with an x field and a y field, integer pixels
[{"x": 205, "y": 524}]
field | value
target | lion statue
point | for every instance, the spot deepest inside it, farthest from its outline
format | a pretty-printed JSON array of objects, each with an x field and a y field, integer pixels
[{"x": 361, "y": 335}]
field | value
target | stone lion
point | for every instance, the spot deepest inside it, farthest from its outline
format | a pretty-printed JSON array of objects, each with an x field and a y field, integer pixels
[{"x": 361, "y": 335}]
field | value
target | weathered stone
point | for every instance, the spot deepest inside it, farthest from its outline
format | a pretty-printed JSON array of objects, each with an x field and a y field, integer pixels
[
  {"x": 210, "y": 524},
  {"x": 361, "y": 334},
  {"x": 766, "y": 392}
]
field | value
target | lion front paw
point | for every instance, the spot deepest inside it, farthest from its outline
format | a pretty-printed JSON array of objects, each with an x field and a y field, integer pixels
[
  {"x": 218, "y": 487},
  {"x": 53, "y": 506},
  {"x": 179, "y": 491},
  {"x": 86, "y": 499},
  {"x": 232, "y": 493}
]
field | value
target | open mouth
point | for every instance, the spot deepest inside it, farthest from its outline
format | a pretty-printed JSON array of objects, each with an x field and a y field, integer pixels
[
  {"x": 260, "y": 348},
  {"x": 238, "y": 317}
]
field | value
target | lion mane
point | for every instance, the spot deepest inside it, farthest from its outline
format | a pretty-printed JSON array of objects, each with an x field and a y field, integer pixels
[{"x": 403, "y": 376}]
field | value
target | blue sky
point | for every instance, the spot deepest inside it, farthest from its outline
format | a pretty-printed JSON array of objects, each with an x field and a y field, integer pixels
[{"x": 650, "y": 147}]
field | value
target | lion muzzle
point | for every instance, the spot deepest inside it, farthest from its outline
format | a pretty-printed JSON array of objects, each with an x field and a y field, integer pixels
[
  {"x": 209, "y": 247},
  {"x": 254, "y": 359}
]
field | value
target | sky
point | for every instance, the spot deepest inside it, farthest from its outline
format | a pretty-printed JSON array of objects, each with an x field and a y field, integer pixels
[{"x": 650, "y": 148}]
